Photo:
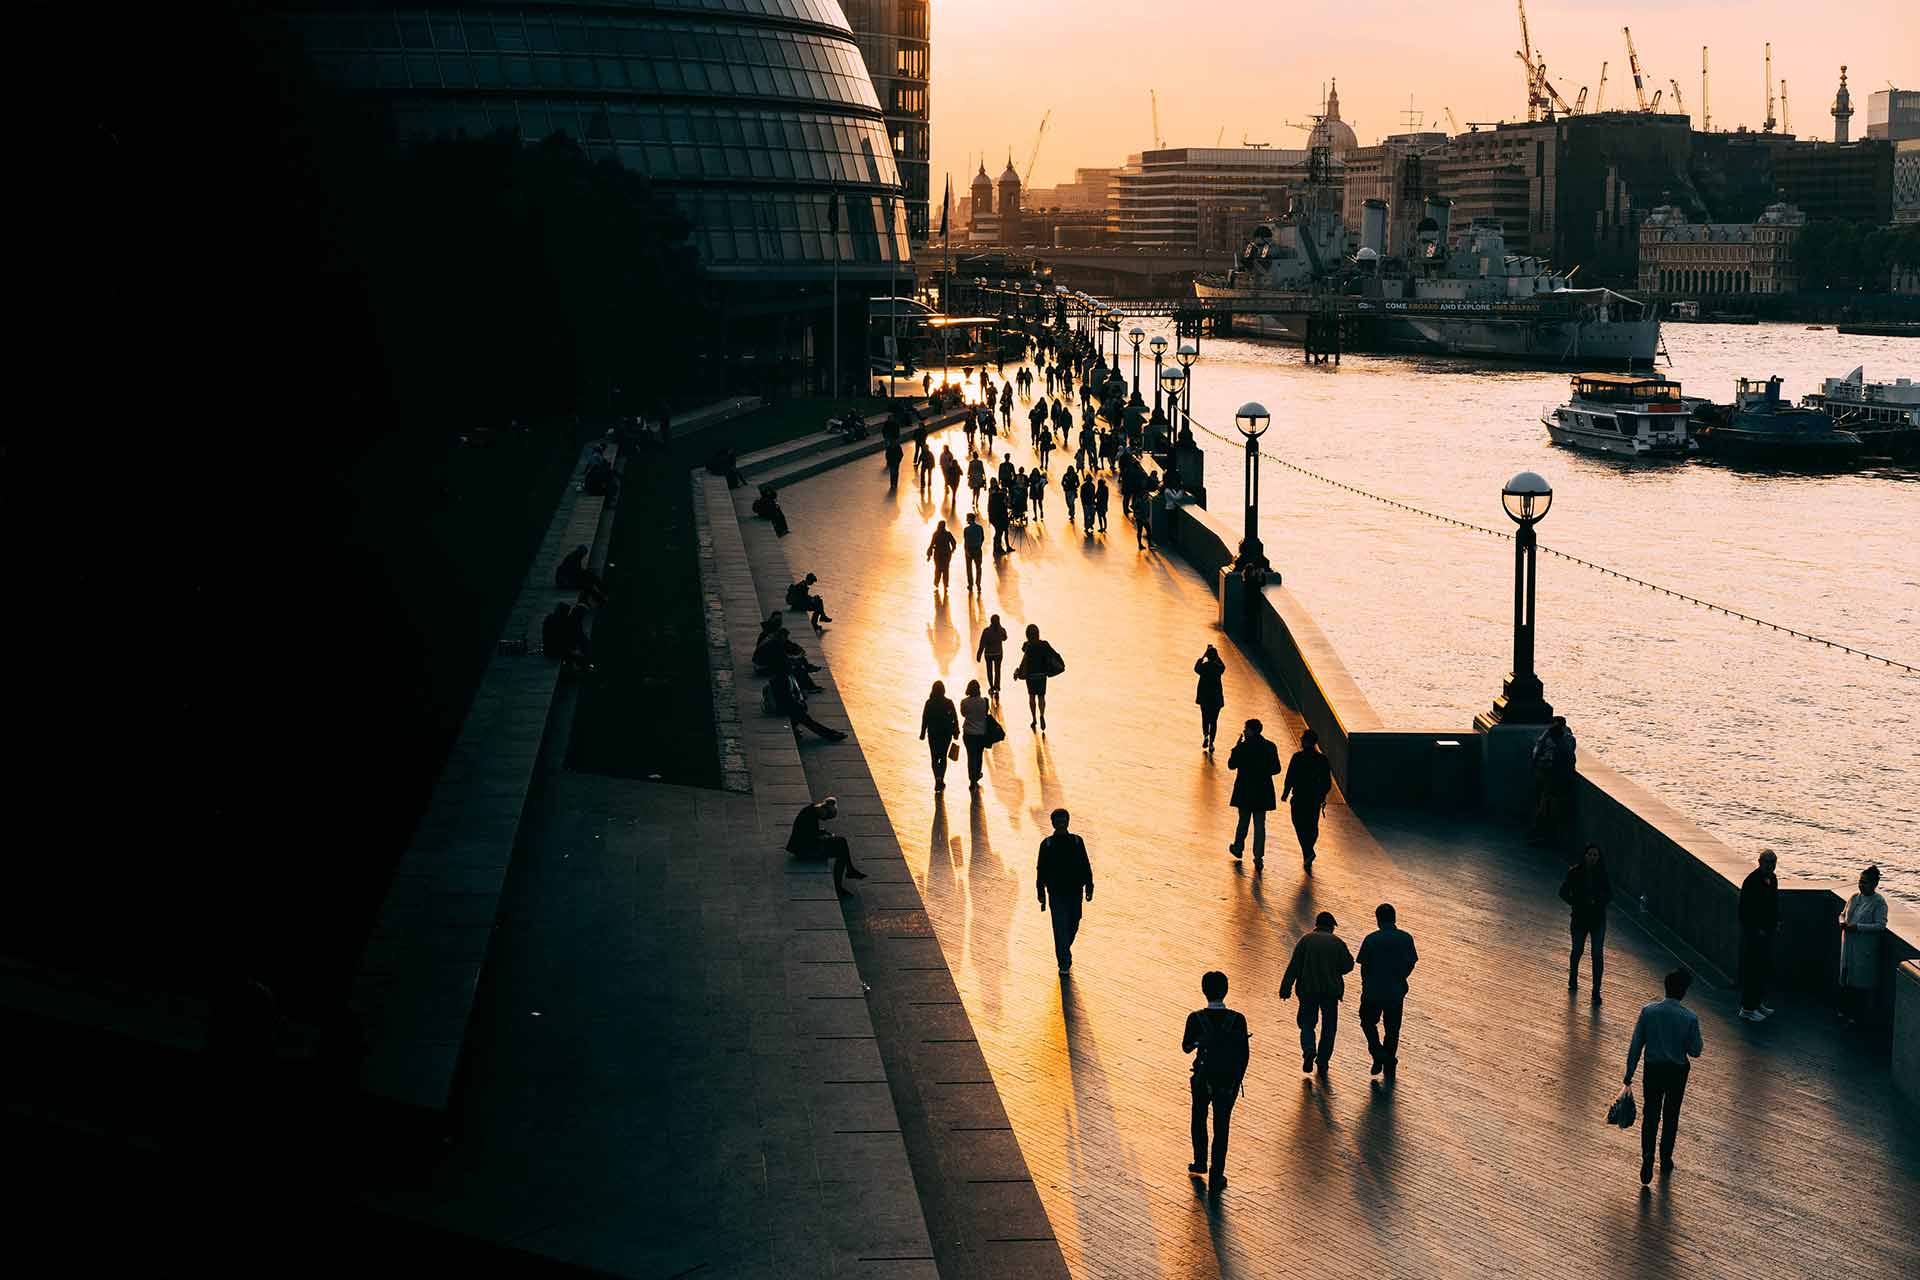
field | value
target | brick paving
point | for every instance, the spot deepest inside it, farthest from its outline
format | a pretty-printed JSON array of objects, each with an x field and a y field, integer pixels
[{"x": 1488, "y": 1155}]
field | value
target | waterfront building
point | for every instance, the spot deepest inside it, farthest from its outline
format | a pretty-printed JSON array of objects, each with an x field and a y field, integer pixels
[
  {"x": 1507, "y": 173},
  {"x": 1852, "y": 183},
  {"x": 1089, "y": 190},
  {"x": 1893, "y": 114},
  {"x": 1691, "y": 259},
  {"x": 1156, "y": 200},
  {"x": 1906, "y": 180},
  {"x": 894, "y": 40}
]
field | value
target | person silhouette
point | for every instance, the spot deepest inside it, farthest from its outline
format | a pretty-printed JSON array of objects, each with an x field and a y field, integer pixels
[
  {"x": 1038, "y": 662},
  {"x": 1209, "y": 695},
  {"x": 992, "y": 651},
  {"x": 1254, "y": 760},
  {"x": 1309, "y": 779},
  {"x": 940, "y": 551},
  {"x": 939, "y": 726},
  {"x": 1064, "y": 873}
]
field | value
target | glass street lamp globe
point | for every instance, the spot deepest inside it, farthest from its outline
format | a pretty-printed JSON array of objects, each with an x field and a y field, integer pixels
[
  {"x": 1252, "y": 419},
  {"x": 1136, "y": 336},
  {"x": 1188, "y": 354},
  {"x": 1158, "y": 346},
  {"x": 1172, "y": 378},
  {"x": 1527, "y": 497}
]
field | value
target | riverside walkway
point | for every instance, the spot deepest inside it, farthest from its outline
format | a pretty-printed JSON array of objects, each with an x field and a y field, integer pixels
[{"x": 1488, "y": 1154}]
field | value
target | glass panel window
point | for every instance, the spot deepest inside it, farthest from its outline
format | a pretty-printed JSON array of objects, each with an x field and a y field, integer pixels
[
  {"x": 519, "y": 70},
  {"x": 479, "y": 32},
  {"x": 453, "y": 69},
  {"x": 508, "y": 32},
  {"x": 446, "y": 33},
  {"x": 415, "y": 33},
  {"x": 550, "y": 72},
  {"x": 640, "y": 74},
  {"x": 420, "y": 69},
  {"x": 580, "y": 73}
]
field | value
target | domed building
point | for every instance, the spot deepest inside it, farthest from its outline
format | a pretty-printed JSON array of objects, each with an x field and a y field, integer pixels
[
  {"x": 1333, "y": 133},
  {"x": 753, "y": 117}
]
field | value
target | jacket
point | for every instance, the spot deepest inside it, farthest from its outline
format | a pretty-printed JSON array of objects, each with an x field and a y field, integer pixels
[
  {"x": 1255, "y": 761},
  {"x": 993, "y": 640},
  {"x": 938, "y": 719},
  {"x": 1386, "y": 957},
  {"x": 1320, "y": 961},
  {"x": 1063, "y": 870},
  {"x": 941, "y": 548},
  {"x": 1760, "y": 900},
  {"x": 1860, "y": 945},
  {"x": 1221, "y": 1036},
  {"x": 1588, "y": 894},
  {"x": 1207, "y": 691},
  {"x": 1309, "y": 779},
  {"x": 804, "y": 842}
]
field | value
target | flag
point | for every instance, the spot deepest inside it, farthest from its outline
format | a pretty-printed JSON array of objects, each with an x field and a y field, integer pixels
[{"x": 944, "y": 202}]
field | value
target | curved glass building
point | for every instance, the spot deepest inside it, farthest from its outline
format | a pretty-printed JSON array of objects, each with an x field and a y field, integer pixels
[{"x": 753, "y": 114}]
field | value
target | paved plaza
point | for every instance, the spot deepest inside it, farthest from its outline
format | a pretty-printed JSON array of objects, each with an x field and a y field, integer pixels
[{"x": 1488, "y": 1154}]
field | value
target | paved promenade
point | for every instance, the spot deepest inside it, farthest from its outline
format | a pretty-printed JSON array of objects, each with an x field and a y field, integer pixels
[{"x": 1489, "y": 1154}]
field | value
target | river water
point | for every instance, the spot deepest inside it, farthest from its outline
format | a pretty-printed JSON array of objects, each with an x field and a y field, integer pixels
[{"x": 1761, "y": 738}]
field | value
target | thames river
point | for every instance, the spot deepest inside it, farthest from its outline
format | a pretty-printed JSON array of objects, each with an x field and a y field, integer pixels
[{"x": 1762, "y": 738}]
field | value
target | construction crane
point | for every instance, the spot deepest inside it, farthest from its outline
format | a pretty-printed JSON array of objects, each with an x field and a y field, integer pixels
[
  {"x": 1786, "y": 119},
  {"x": 1159, "y": 143},
  {"x": 1706, "y": 112},
  {"x": 1633, "y": 61},
  {"x": 1655, "y": 104},
  {"x": 1218, "y": 136},
  {"x": 1768, "y": 128},
  {"x": 1600, "y": 94},
  {"x": 1026, "y": 179},
  {"x": 1450, "y": 120},
  {"x": 1526, "y": 57},
  {"x": 1678, "y": 101},
  {"x": 1580, "y": 102},
  {"x": 1541, "y": 91}
]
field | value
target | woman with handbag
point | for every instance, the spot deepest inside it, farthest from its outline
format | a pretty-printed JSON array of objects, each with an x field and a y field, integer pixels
[
  {"x": 975, "y": 712},
  {"x": 939, "y": 725},
  {"x": 1038, "y": 661}
]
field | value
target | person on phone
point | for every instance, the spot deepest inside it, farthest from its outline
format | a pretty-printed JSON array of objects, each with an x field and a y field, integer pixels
[
  {"x": 1309, "y": 779},
  {"x": 1587, "y": 890},
  {"x": 1220, "y": 1036},
  {"x": 1669, "y": 1033},
  {"x": 939, "y": 725},
  {"x": 974, "y": 711},
  {"x": 1209, "y": 695},
  {"x": 810, "y": 840},
  {"x": 1254, "y": 760},
  {"x": 1063, "y": 874}
]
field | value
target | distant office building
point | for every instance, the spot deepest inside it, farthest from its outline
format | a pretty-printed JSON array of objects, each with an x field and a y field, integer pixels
[
  {"x": 1853, "y": 183},
  {"x": 1222, "y": 225},
  {"x": 1156, "y": 202},
  {"x": 1090, "y": 189},
  {"x": 1906, "y": 180},
  {"x": 1691, "y": 259},
  {"x": 1402, "y": 170},
  {"x": 1894, "y": 114},
  {"x": 893, "y": 39},
  {"x": 1506, "y": 172}
]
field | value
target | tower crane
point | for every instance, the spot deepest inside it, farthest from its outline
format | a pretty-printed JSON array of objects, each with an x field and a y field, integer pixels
[
  {"x": 1159, "y": 143},
  {"x": 1768, "y": 128},
  {"x": 1786, "y": 120},
  {"x": 1678, "y": 101},
  {"x": 1633, "y": 61},
  {"x": 1218, "y": 136},
  {"x": 1706, "y": 110},
  {"x": 1600, "y": 94},
  {"x": 1540, "y": 90},
  {"x": 1450, "y": 120},
  {"x": 1026, "y": 179}
]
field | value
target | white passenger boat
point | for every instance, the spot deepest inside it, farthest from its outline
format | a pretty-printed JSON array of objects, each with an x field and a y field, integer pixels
[
  {"x": 1636, "y": 416},
  {"x": 1885, "y": 415}
]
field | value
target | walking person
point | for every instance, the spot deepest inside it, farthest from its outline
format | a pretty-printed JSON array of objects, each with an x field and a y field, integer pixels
[
  {"x": 1587, "y": 890},
  {"x": 895, "y": 455},
  {"x": 940, "y": 551},
  {"x": 1668, "y": 1033},
  {"x": 1143, "y": 520},
  {"x": 923, "y": 462},
  {"x": 1318, "y": 972},
  {"x": 1039, "y": 661},
  {"x": 1254, "y": 760},
  {"x": 1069, "y": 489},
  {"x": 1309, "y": 780},
  {"x": 1064, "y": 874},
  {"x": 811, "y": 841},
  {"x": 950, "y": 472},
  {"x": 1387, "y": 956},
  {"x": 992, "y": 650},
  {"x": 975, "y": 712},
  {"x": 1209, "y": 695},
  {"x": 1087, "y": 499},
  {"x": 1100, "y": 503},
  {"x": 975, "y": 535},
  {"x": 1037, "y": 492},
  {"x": 1223, "y": 1045},
  {"x": 1862, "y": 924},
  {"x": 939, "y": 725},
  {"x": 976, "y": 478},
  {"x": 1759, "y": 917},
  {"x": 999, "y": 517}
]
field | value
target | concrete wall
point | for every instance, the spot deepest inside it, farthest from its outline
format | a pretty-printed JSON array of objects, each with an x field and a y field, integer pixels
[{"x": 1906, "y": 1031}]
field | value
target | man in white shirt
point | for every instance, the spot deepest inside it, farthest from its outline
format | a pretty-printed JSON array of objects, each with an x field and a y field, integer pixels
[{"x": 1669, "y": 1033}]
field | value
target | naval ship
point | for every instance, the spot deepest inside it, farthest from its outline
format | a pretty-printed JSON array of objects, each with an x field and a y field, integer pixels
[{"x": 1447, "y": 295}]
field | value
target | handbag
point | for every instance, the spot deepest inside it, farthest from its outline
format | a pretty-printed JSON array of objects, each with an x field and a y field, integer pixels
[
  {"x": 1056, "y": 665},
  {"x": 1621, "y": 1113},
  {"x": 953, "y": 751},
  {"x": 994, "y": 731}
]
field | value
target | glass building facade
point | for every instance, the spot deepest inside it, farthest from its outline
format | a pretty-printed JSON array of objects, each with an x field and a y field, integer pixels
[
  {"x": 893, "y": 36},
  {"x": 752, "y": 114}
]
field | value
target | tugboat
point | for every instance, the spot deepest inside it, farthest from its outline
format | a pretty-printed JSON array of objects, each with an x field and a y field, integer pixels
[
  {"x": 1762, "y": 428},
  {"x": 1625, "y": 414},
  {"x": 1885, "y": 415}
]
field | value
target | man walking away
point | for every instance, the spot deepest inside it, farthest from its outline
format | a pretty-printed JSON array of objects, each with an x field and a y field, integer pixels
[
  {"x": 1386, "y": 958},
  {"x": 812, "y": 842},
  {"x": 1759, "y": 916},
  {"x": 1309, "y": 779},
  {"x": 975, "y": 536},
  {"x": 1588, "y": 891},
  {"x": 1064, "y": 874},
  {"x": 1220, "y": 1034},
  {"x": 992, "y": 650},
  {"x": 1254, "y": 760},
  {"x": 1669, "y": 1032},
  {"x": 940, "y": 551},
  {"x": 1320, "y": 961}
]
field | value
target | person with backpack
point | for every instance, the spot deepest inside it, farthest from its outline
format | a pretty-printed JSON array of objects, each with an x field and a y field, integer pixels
[
  {"x": 1222, "y": 1040},
  {"x": 1309, "y": 779},
  {"x": 1064, "y": 873},
  {"x": 1039, "y": 661}
]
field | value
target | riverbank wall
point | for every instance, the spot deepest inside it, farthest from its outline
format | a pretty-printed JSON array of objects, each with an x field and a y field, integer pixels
[{"x": 1682, "y": 881}]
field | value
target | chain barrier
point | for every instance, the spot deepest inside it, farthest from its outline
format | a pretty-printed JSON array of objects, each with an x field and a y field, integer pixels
[{"x": 1708, "y": 605}]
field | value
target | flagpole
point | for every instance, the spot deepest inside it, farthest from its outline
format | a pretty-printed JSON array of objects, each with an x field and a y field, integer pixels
[
  {"x": 946, "y": 251},
  {"x": 833, "y": 225},
  {"x": 893, "y": 287}
]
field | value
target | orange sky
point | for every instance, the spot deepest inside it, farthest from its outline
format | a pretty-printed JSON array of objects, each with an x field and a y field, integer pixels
[{"x": 1251, "y": 67}]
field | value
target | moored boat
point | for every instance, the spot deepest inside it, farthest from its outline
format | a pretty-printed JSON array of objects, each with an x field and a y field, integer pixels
[
  {"x": 1760, "y": 427},
  {"x": 1885, "y": 415},
  {"x": 1624, "y": 414}
]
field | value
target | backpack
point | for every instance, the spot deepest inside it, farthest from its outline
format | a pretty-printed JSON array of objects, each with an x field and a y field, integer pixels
[{"x": 1224, "y": 1053}]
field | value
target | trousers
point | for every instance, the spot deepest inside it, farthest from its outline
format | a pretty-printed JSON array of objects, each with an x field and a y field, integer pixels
[
  {"x": 1326, "y": 1011},
  {"x": 1065, "y": 910},
  {"x": 1666, "y": 1087},
  {"x": 1222, "y": 1105},
  {"x": 1375, "y": 1010},
  {"x": 1756, "y": 967},
  {"x": 1258, "y": 817},
  {"x": 1582, "y": 934},
  {"x": 1306, "y": 825}
]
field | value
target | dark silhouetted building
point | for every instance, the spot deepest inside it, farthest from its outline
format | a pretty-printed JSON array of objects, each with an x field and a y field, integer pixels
[{"x": 893, "y": 38}]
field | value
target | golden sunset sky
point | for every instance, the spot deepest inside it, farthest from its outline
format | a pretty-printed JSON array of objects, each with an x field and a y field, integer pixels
[{"x": 1252, "y": 67}]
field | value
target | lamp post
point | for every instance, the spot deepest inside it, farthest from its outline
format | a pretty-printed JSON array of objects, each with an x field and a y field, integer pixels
[
  {"x": 1252, "y": 420},
  {"x": 1136, "y": 336},
  {"x": 1187, "y": 354},
  {"x": 1173, "y": 379},
  {"x": 1159, "y": 348},
  {"x": 1526, "y": 498}
]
